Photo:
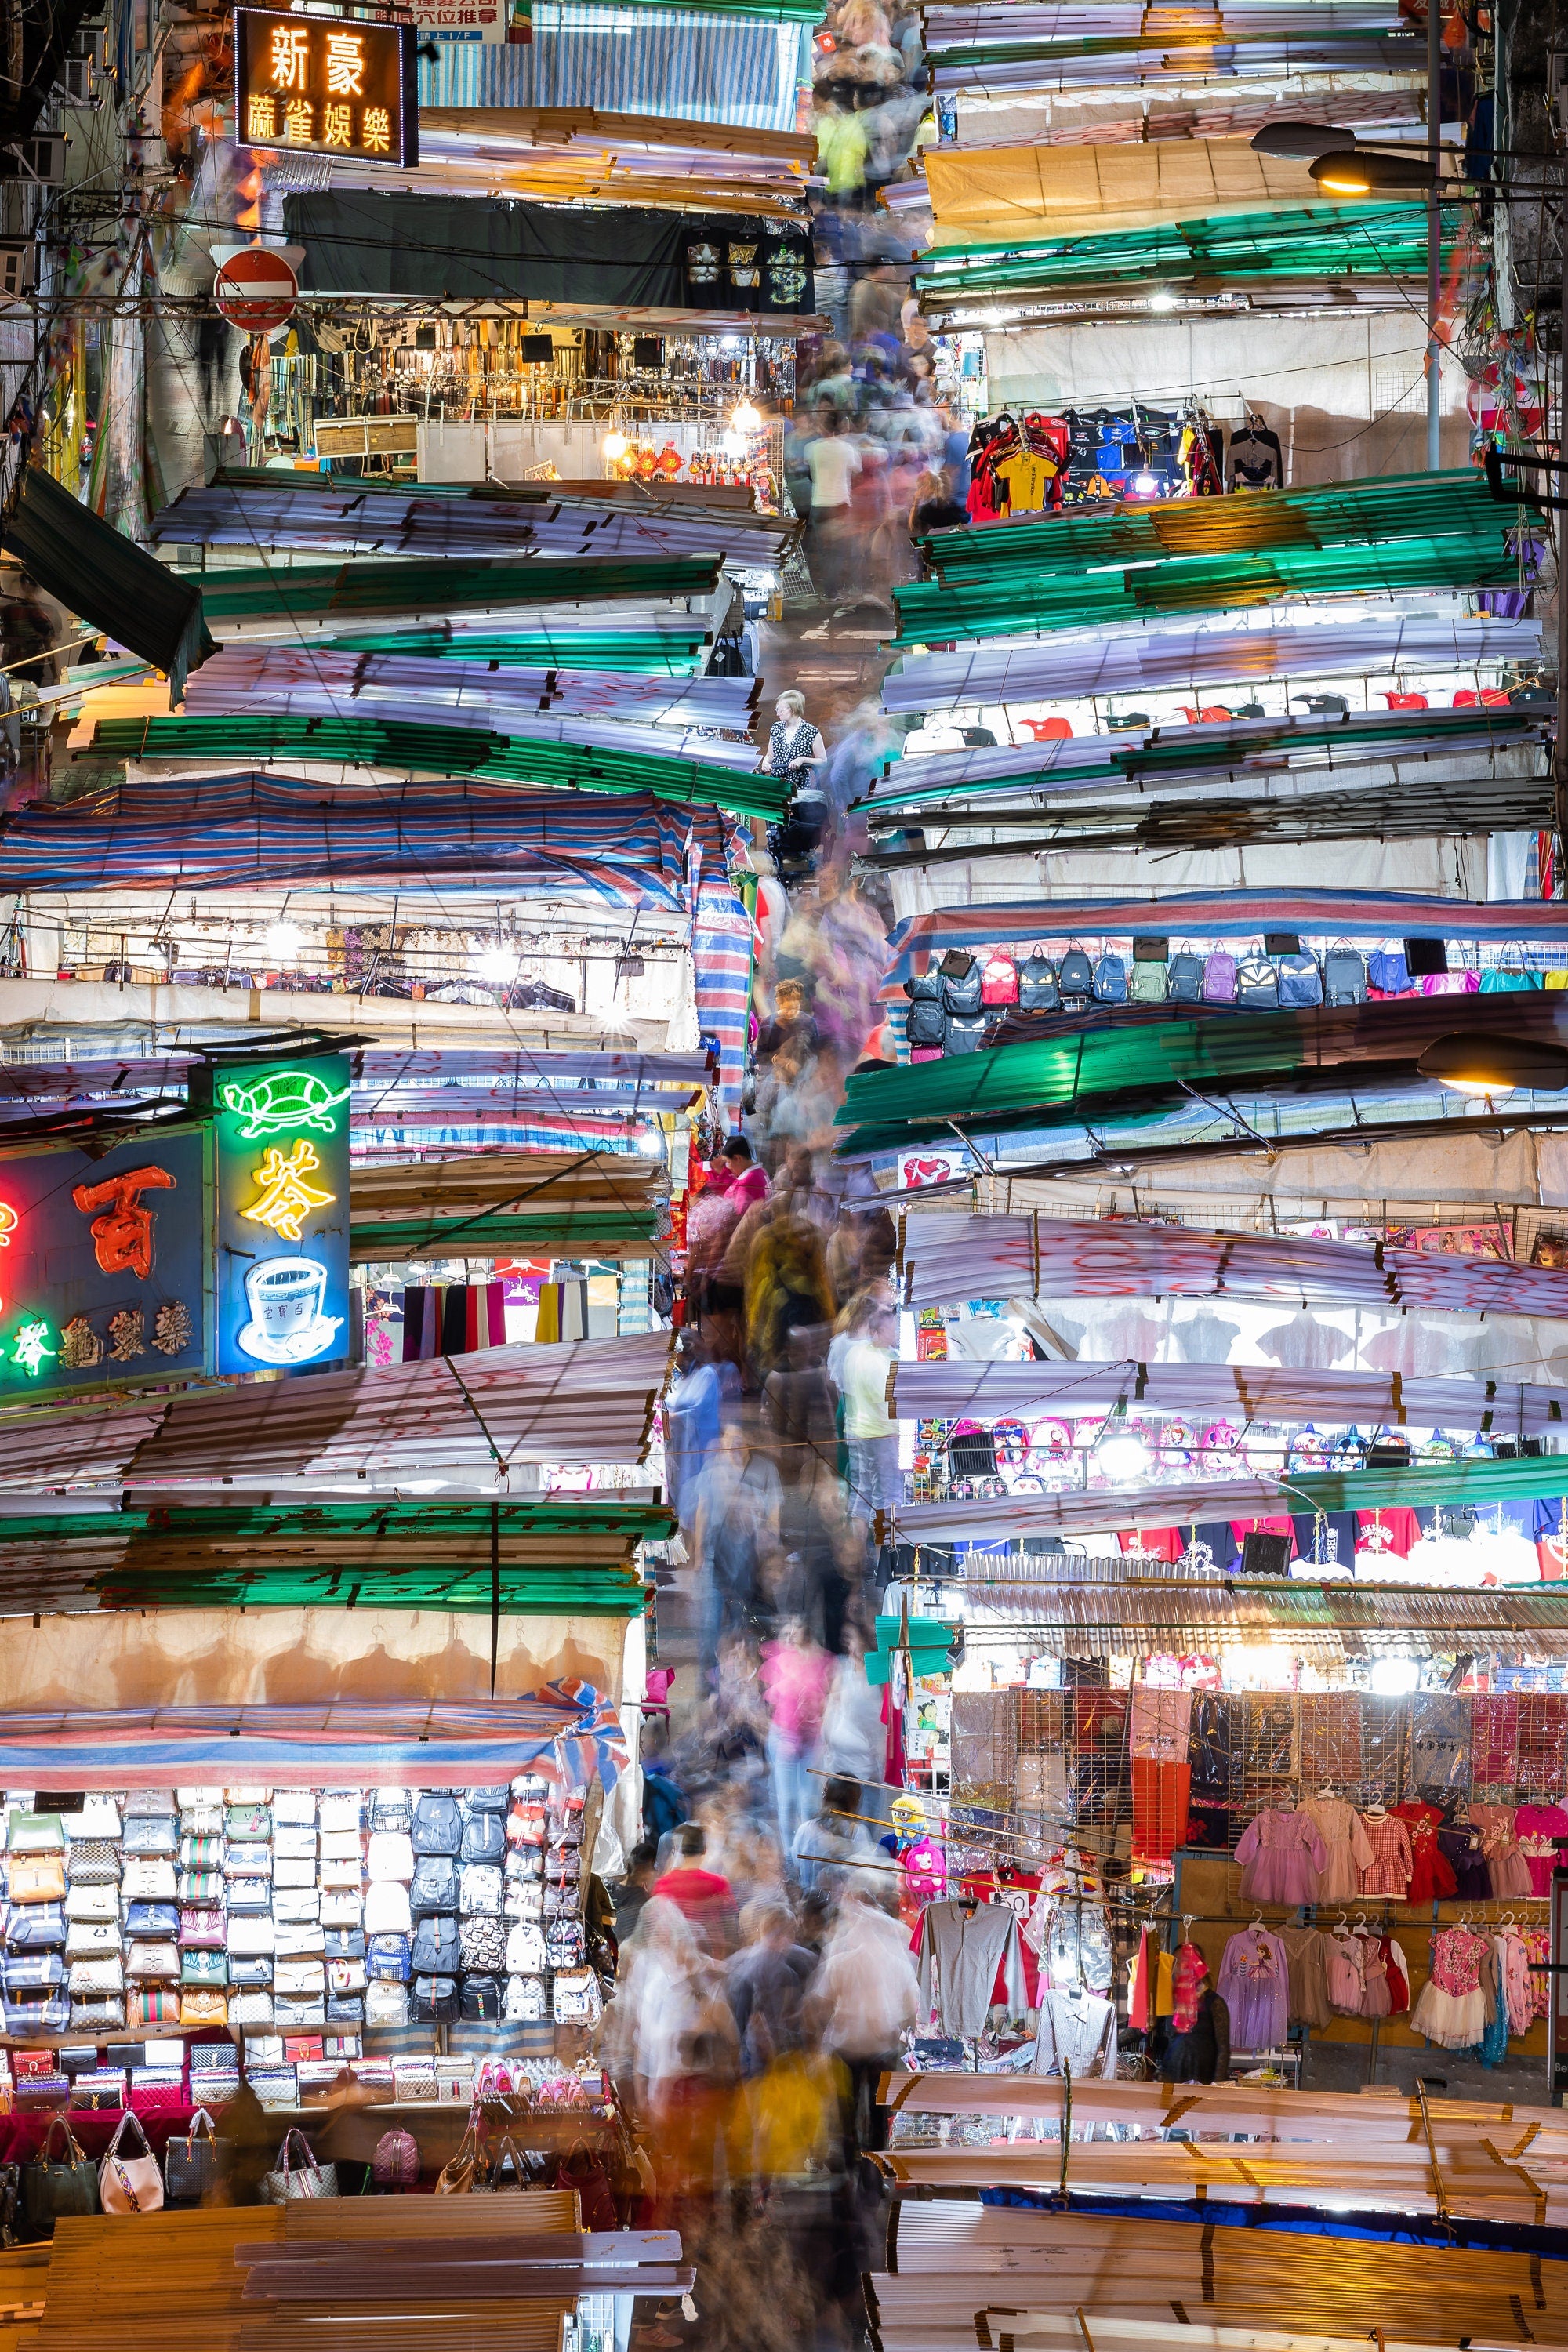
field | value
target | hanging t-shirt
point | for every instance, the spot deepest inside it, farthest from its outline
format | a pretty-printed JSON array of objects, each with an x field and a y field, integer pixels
[
  {"x": 1255, "y": 460},
  {"x": 1028, "y": 479}
]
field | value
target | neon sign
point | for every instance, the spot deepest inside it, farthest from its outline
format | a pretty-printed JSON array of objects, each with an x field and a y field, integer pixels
[
  {"x": 32, "y": 1346},
  {"x": 284, "y": 1198},
  {"x": 280, "y": 1100},
  {"x": 122, "y": 1235}
]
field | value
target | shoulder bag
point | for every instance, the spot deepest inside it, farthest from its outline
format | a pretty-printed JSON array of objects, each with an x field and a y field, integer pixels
[
  {"x": 51, "y": 2189},
  {"x": 297, "y": 2176},
  {"x": 130, "y": 2184},
  {"x": 191, "y": 2165}
]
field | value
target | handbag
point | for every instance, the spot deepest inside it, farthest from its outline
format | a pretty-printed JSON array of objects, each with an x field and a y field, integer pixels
[
  {"x": 251, "y": 2008},
  {"x": 387, "y": 1910},
  {"x": 203, "y": 2008},
  {"x": 296, "y": 1906},
  {"x": 252, "y": 1975},
  {"x": 41, "y": 1928},
  {"x": 293, "y": 1844},
  {"x": 434, "y": 2000},
  {"x": 252, "y": 1894},
  {"x": 201, "y": 1822},
  {"x": 31, "y": 1972},
  {"x": 148, "y": 1882},
  {"x": 340, "y": 1875},
  {"x": 248, "y": 1937},
  {"x": 130, "y": 2184},
  {"x": 191, "y": 2165},
  {"x": 248, "y": 1858},
  {"x": 341, "y": 1909},
  {"x": 390, "y": 1855},
  {"x": 301, "y": 1942},
  {"x": 525, "y": 1948},
  {"x": 99, "y": 1817},
  {"x": 43, "y": 1882},
  {"x": 298, "y": 1977},
  {"x": 156, "y": 1920},
  {"x": 395, "y": 2163},
  {"x": 437, "y": 1948},
  {"x": 34, "y": 1833},
  {"x": 297, "y": 1807},
  {"x": 92, "y": 1862},
  {"x": 345, "y": 1975},
  {"x": 390, "y": 1809},
  {"x": 204, "y": 1930},
  {"x": 345, "y": 2009},
  {"x": 146, "y": 1840},
  {"x": 104, "y": 1976},
  {"x": 297, "y": 2176},
  {"x": 481, "y": 1889},
  {"x": 94, "y": 2015},
  {"x": 204, "y": 1968},
  {"x": 583, "y": 2171},
  {"x": 90, "y": 1903},
  {"x": 88, "y": 1939},
  {"x": 51, "y": 2190},
  {"x": 385, "y": 2005},
  {"x": 298, "y": 2012},
  {"x": 483, "y": 1944},
  {"x": 478, "y": 2001},
  {"x": 293, "y": 1870},
  {"x": 158, "y": 1959},
  {"x": 578, "y": 2000},
  {"x": 156, "y": 1804},
  {"x": 463, "y": 2168},
  {"x": 201, "y": 1853},
  {"x": 484, "y": 1838},
  {"x": 339, "y": 1809},
  {"x": 152, "y": 2005}
]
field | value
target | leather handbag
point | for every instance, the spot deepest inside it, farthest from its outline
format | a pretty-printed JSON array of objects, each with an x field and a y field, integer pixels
[
  {"x": 581, "y": 2170},
  {"x": 390, "y": 1809},
  {"x": 465, "y": 2168},
  {"x": 434, "y": 2000},
  {"x": 99, "y": 1817},
  {"x": 297, "y": 2176},
  {"x": 201, "y": 1822},
  {"x": 95, "y": 2015},
  {"x": 190, "y": 2166},
  {"x": 484, "y": 1838},
  {"x": 158, "y": 1959},
  {"x": 343, "y": 1944},
  {"x": 156, "y": 1804},
  {"x": 298, "y": 1977},
  {"x": 103, "y": 1975},
  {"x": 341, "y": 1909},
  {"x": 128, "y": 2183},
  {"x": 201, "y": 1853},
  {"x": 89, "y": 1939},
  {"x": 302, "y": 1942},
  {"x": 438, "y": 1825},
  {"x": 202, "y": 1929},
  {"x": 99, "y": 1903},
  {"x": 251, "y": 2008},
  {"x": 43, "y": 1880},
  {"x": 480, "y": 1999},
  {"x": 390, "y": 1855},
  {"x": 339, "y": 1810},
  {"x": 253, "y": 1975},
  {"x": 92, "y": 1862},
  {"x": 295, "y": 1807},
  {"x": 296, "y": 1905},
  {"x": 52, "y": 2190},
  {"x": 34, "y": 1833},
  {"x": 247, "y": 1937},
  {"x": 345, "y": 1975},
  {"x": 297, "y": 1844},
  {"x": 437, "y": 1948},
  {"x": 300, "y": 2012},
  {"x": 244, "y": 1822},
  {"x": 204, "y": 1968},
  {"x": 199, "y": 2006},
  {"x": 248, "y": 1860},
  {"x": 200, "y": 1888},
  {"x": 152, "y": 2005},
  {"x": 144, "y": 1840},
  {"x": 252, "y": 1894},
  {"x": 343, "y": 1874},
  {"x": 148, "y": 1882},
  {"x": 38, "y": 1928},
  {"x": 434, "y": 1886},
  {"x": 156, "y": 1920},
  {"x": 293, "y": 1870}
]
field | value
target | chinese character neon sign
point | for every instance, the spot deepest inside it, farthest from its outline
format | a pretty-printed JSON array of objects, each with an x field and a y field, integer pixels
[
  {"x": 284, "y": 1199},
  {"x": 122, "y": 1235},
  {"x": 319, "y": 81}
]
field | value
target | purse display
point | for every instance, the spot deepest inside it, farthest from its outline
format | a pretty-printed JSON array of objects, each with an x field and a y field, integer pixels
[
  {"x": 43, "y": 1880},
  {"x": 202, "y": 2008},
  {"x": 34, "y": 1833},
  {"x": 152, "y": 2005},
  {"x": 92, "y": 1862},
  {"x": 130, "y": 2183}
]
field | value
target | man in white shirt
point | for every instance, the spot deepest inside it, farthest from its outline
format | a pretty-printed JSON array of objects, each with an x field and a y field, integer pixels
[{"x": 833, "y": 461}]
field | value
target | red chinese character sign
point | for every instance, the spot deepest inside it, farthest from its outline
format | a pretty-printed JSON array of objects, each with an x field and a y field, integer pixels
[
  {"x": 329, "y": 84},
  {"x": 104, "y": 1263}
]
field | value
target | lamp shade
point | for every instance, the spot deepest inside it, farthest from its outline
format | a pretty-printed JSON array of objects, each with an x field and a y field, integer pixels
[
  {"x": 1356, "y": 171},
  {"x": 1307, "y": 139},
  {"x": 1473, "y": 1061}
]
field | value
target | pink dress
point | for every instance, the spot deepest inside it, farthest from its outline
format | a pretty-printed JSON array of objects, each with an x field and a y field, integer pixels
[
  {"x": 1388, "y": 1872},
  {"x": 1499, "y": 1846},
  {"x": 1282, "y": 1856},
  {"x": 1343, "y": 1964},
  {"x": 1346, "y": 1850},
  {"x": 1452, "y": 2010},
  {"x": 1537, "y": 1826}
]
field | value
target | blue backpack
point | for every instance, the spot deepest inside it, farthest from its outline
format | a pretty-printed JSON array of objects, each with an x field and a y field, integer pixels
[
  {"x": 1110, "y": 980},
  {"x": 386, "y": 1958}
]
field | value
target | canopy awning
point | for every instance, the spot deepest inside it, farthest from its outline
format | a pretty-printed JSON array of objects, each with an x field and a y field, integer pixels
[
  {"x": 1013, "y": 192},
  {"x": 94, "y": 571}
]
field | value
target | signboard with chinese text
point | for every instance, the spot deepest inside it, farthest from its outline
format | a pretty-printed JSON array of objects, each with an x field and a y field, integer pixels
[
  {"x": 464, "y": 20},
  {"x": 103, "y": 1265},
  {"x": 330, "y": 85},
  {"x": 283, "y": 1178}
]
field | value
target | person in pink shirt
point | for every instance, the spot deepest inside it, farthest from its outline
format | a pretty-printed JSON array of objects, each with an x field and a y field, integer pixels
[
  {"x": 704, "y": 1897},
  {"x": 794, "y": 1677},
  {"x": 749, "y": 1180}
]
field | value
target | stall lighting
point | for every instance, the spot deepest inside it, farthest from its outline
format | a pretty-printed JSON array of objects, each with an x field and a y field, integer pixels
[
  {"x": 1163, "y": 301},
  {"x": 1304, "y": 140},
  {"x": 282, "y": 939},
  {"x": 1395, "y": 1677},
  {"x": 499, "y": 963},
  {"x": 735, "y": 444},
  {"x": 1123, "y": 1454},
  {"x": 1474, "y": 1063},
  {"x": 1144, "y": 485},
  {"x": 614, "y": 446},
  {"x": 747, "y": 419}
]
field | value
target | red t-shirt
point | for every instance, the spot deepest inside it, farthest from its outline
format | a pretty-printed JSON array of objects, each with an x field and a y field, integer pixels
[{"x": 704, "y": 1898}]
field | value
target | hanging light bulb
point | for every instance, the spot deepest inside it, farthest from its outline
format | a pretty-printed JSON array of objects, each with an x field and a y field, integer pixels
[
  {"x": 497, "y": 963},
  {"x": 282, "y": 938},
  {"x": 614, "y": 446},
  {"x": 1121, "y": 1453},
  {"x": 746, "y": 418}
]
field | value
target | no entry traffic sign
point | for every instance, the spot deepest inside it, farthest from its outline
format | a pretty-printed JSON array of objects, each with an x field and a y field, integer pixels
[{"x": 255, "y": 290}]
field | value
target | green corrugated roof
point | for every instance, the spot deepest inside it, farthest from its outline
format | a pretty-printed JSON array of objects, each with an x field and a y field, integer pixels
[
  {"x": 461, "y": 585},
  {"x": 567, "y": 1236},
  {"x": 527, "y": 1592},
  {"x": 1456, "y": 1483},
  {"x": 419, "y": 749},
  {"x": 1333, "y": 241},
  {"x": 658, "y": 653}
]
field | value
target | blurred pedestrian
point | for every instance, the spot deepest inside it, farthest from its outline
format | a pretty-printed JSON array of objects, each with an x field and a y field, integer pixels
[
  {"x": 794, "y": 1684},
  {"x": 864, "y": 1999},
  {"x": 735, "y": 1524},
  {"x": 765, "y": 1982},
  {"x": 704, "y": 1897},
  {"x": 835, "y": 1850}
]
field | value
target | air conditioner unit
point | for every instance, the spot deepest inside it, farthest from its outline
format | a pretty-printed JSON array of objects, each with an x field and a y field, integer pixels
[
  {"x": 76, "y": 80},
  {"x": 18, "y": 267},
  {"x": 41, "y": 159}
]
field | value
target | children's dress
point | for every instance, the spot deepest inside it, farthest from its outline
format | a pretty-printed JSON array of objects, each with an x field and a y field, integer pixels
[
  {"x": 1255, "y": 1985},
  {"x": 1430, "y": 1875},
  {"x": 1283, "y": 1857},
  {"x": 1452, "y": 2010},
  {"x": 1346, "y": 1850}
]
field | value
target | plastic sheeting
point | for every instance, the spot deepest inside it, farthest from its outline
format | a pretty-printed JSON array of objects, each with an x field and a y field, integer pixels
[{"x": 1001, "y": 193}]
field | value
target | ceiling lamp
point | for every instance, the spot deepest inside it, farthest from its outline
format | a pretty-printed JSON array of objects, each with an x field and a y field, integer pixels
[
  {"x": 1474, "y": 1063},
  {"x": 1121, "y": 1453},
  {"x": 747, "y": 419}
]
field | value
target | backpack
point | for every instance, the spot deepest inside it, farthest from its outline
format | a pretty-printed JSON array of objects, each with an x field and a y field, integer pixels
[
  {"x": 438, "y": 1825},
  {"x": 435, "y": 1886},
  {"x": 925, "y": 1022},
  {"x": 962, "y": 1033},
  {"x": 1301, "y": 981},
  {"x": 481, "y": 1999},
  {"x": 386, "y": 1957},
  {"x": 525, "y": 1947},
  {"x": 385, "y": 2005},
  {"x": 524, "y": 2000},
  {"x": 663, "y": 1806},
  {"x": 1256, "y": 983},
  {"x": 484, "y": 1838},
  {"x": 961, "y": 989},
  {"x": 484, "y": 1943},
  {"x": 1038, "y": 990},
  {"x": 434, "y": 2000},
  {"x": 390, "y": 1809},
  {"x": 489, "y": 1801},
  {"x": 1146, "y": 982},
  {"x": 1110, "y": 980},
  {"x": 1184, "y": 979},
  {"x": 438, "y": 1948},
  {"x": 1077, "y": 973},
  {"x": 481, "y": 1889},
  {"x": 387, "y": 1910},
  {"x": 1219, "y": 979},
  {"x": 1344, "y": 977},
  {"x": 999, "y": 980}
]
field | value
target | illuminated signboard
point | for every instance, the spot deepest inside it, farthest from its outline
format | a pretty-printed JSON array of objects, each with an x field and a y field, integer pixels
[
  {"x": 104, "y": 1264},
  {"x": 330, "y": 85},
  {"x": 282, "y": 1284}
]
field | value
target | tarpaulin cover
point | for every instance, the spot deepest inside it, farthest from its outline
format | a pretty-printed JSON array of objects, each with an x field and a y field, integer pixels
[
  {"x": 947, "y": 1257},
  {"x": 1005, "y": 192},
  {"x": 105, "y": 579},
  {"x": 615, "y": 257},
  {"x": 567, "y": 1731}
]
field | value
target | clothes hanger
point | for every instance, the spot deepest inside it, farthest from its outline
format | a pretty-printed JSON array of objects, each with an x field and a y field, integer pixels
[{"x": 1258, "y": 1925}]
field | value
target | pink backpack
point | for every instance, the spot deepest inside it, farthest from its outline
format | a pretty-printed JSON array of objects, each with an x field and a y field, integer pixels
[{"x": 999, "y": 980}]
